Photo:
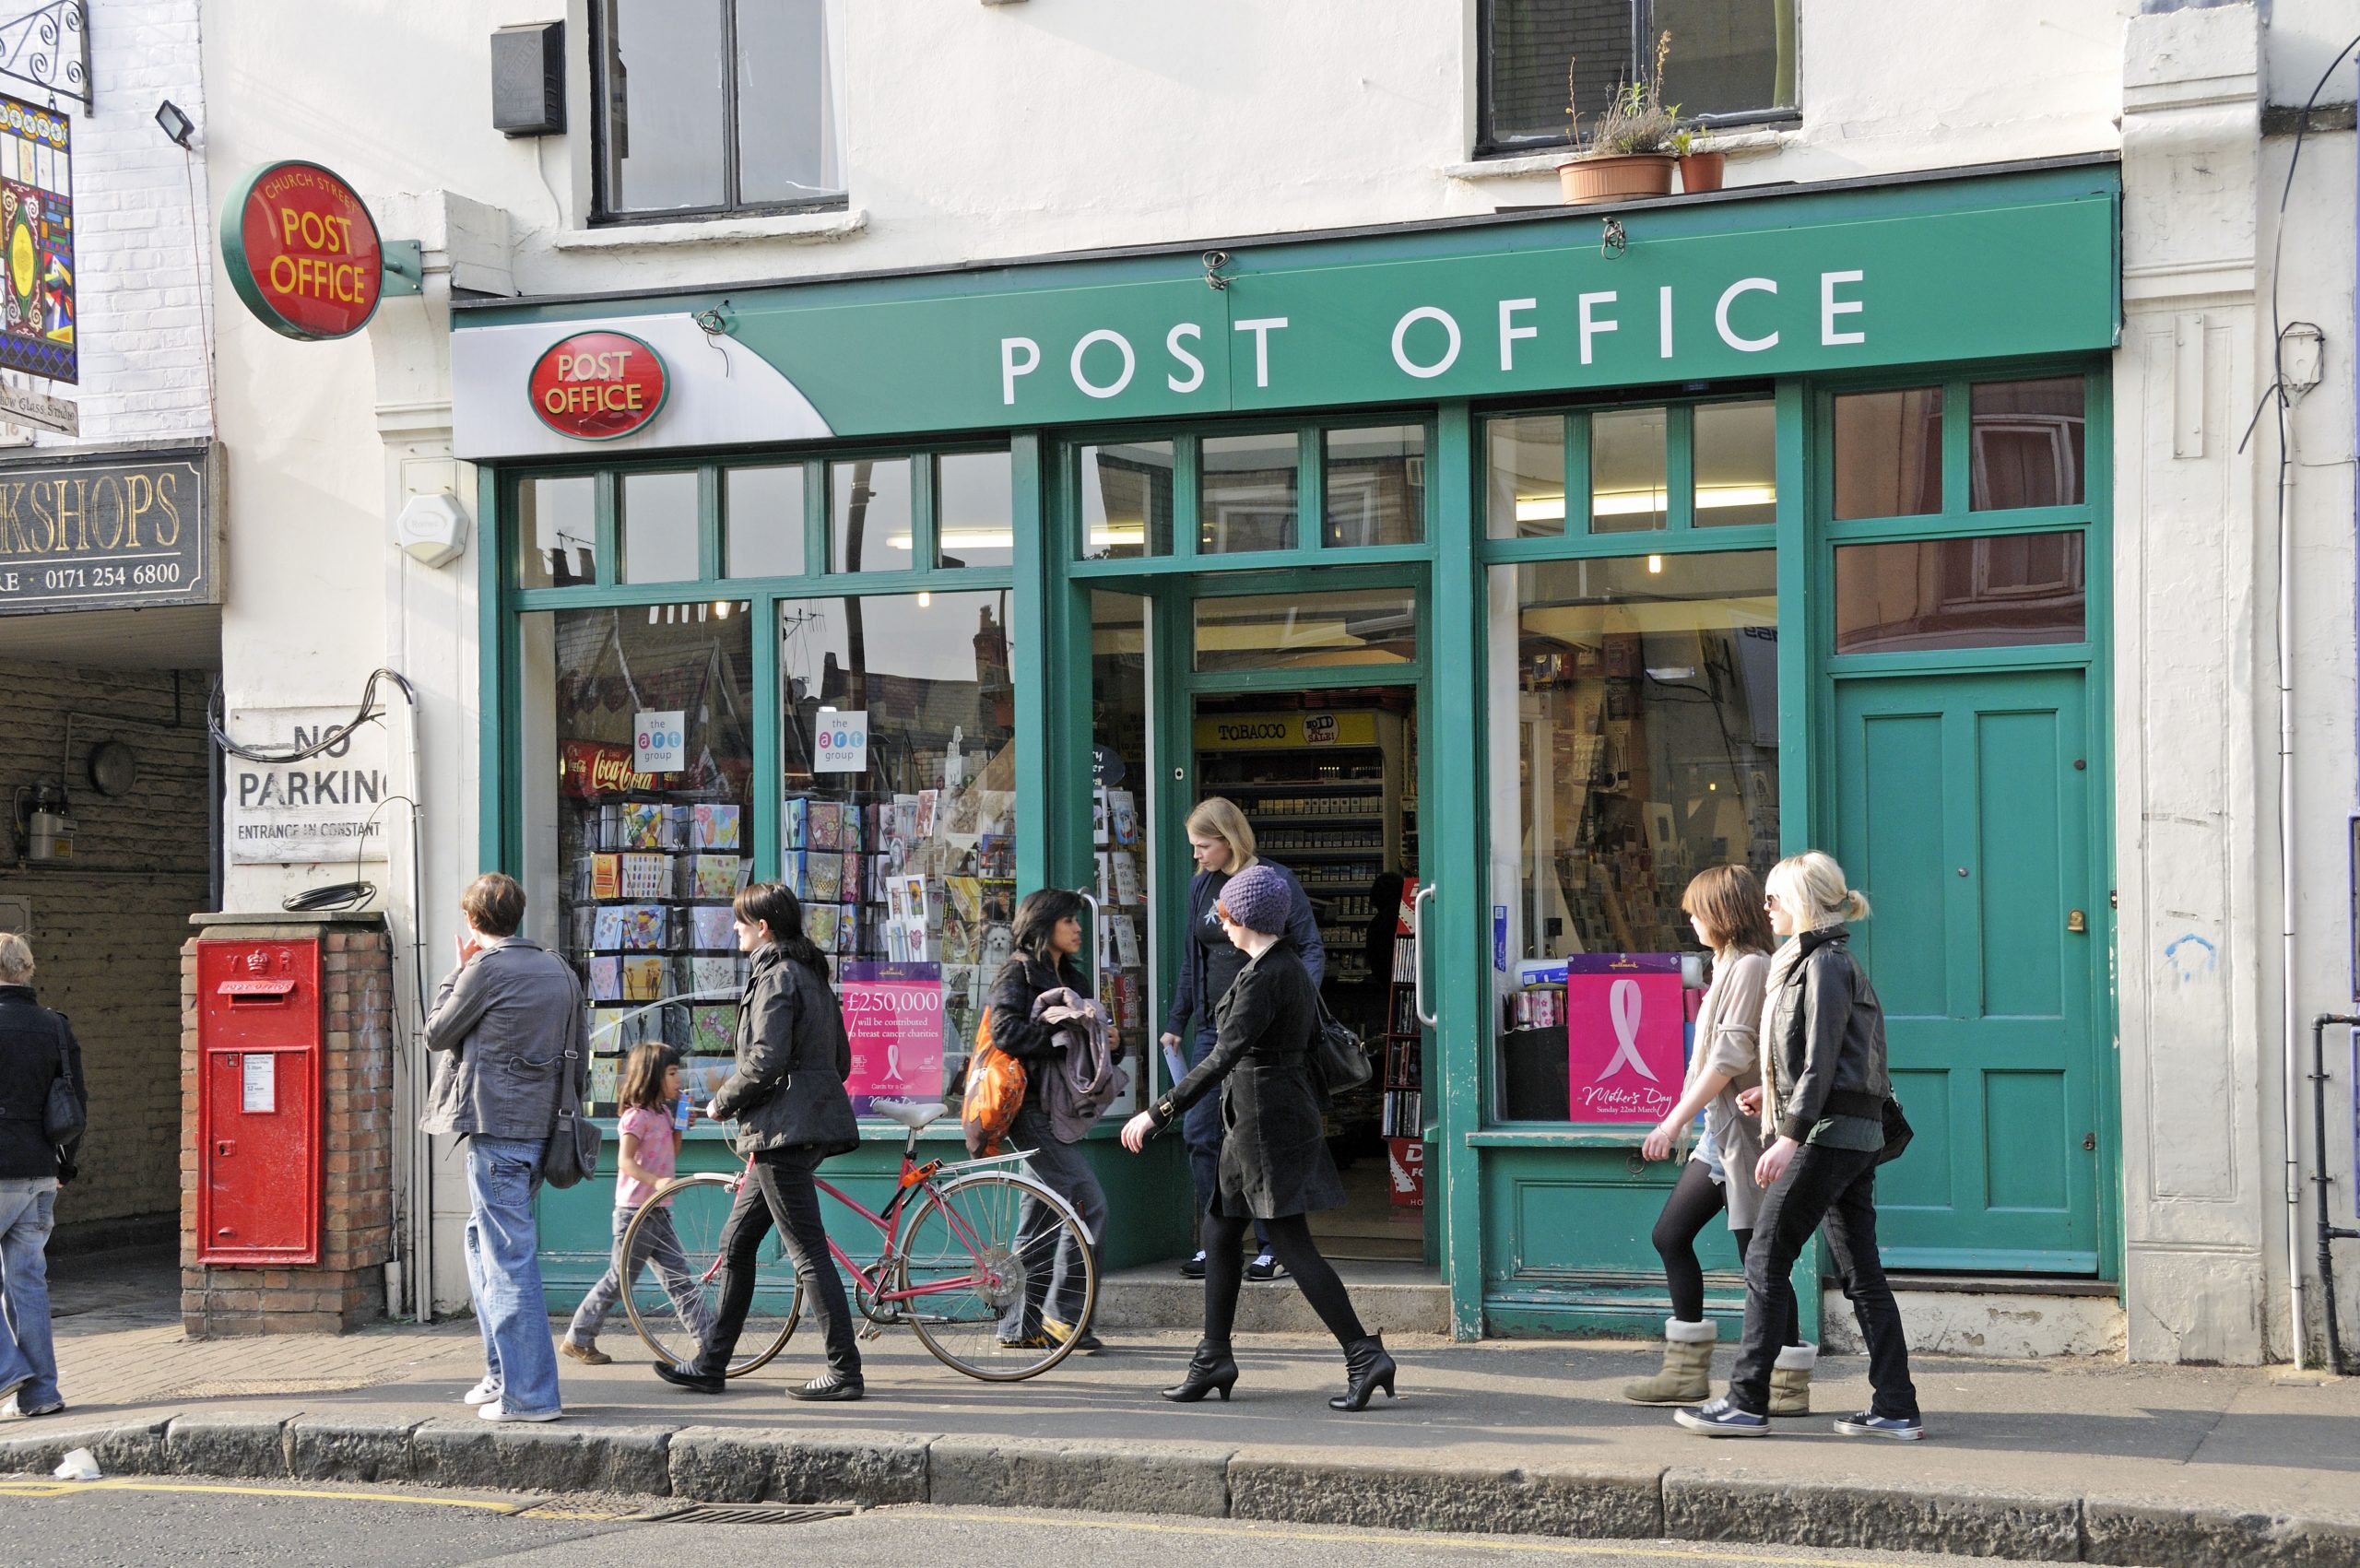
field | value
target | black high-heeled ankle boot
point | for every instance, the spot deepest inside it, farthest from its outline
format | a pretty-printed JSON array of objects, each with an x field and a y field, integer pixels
[
  {"x": 1367, "y": 1368},
  {"x": 1211, "y": 1371}
]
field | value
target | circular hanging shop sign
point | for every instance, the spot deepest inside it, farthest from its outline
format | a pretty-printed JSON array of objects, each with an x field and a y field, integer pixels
[
  {"x": 302, "y": 251},
  {"x": 599, "y": 385}
]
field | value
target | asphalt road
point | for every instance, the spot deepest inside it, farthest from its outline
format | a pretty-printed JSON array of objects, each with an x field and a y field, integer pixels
[{"x": 200, "y": 1522}]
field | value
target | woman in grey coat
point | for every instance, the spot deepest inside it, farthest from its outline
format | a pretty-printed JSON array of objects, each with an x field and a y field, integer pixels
[
  {"x": 1274, "y": 1162},
  {"x": 787, "y": 1096}
]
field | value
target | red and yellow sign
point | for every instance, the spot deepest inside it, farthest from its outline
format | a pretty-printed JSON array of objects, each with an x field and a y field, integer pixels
[
  {"x": 599, "y": 385},
  {"x": 302, "y": 251}
]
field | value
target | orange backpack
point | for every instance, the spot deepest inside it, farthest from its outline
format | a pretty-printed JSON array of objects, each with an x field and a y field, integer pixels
[{"x": 995, "y": 1093}]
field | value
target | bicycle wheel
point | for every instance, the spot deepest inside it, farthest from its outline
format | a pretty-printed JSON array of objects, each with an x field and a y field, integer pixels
[
  {"x": 670, "y": 1299},
  {"x": 961, "y": 1251}
]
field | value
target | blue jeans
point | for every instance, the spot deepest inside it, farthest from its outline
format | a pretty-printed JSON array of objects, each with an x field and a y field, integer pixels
[
  {"x": 505, "y": 1271},
  {"x": 27, "y": 1204},
  {"x": 659, "y": 1244}
]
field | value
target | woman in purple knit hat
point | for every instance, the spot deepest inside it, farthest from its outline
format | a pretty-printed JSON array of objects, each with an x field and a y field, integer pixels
[{"x": 1274, "y": 1162}]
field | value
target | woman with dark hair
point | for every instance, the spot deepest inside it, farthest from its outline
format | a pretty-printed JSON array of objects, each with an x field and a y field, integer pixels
[
  {"x": 1048, "y": 937},
  {"x": 1274, "y": 1162},
  {"x": 787, "y": 1096}
]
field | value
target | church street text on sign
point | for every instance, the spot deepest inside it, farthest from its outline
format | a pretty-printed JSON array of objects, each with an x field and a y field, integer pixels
[{"x": 302, "y": 251}]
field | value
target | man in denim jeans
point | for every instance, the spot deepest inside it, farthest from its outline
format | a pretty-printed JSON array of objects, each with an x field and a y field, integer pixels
[
  {"x": 37, "y": 1049},
  {"x": 508, "y": 1025}
]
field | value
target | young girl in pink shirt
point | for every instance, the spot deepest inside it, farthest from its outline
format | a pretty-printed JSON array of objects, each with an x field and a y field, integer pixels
[{"x": 651, "y": 1144}]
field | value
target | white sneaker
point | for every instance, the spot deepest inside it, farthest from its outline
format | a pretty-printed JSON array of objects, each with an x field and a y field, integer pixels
[
  {"x": 497, "y": 1411},
  {"x": 484, "y": 1393}
]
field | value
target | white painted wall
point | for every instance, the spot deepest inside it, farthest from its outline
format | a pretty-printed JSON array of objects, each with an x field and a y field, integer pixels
[{"x": 974, "y": 132}]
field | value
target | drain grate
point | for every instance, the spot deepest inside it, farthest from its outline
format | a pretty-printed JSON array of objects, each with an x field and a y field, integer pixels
[{"x": 746, "y": 1514}]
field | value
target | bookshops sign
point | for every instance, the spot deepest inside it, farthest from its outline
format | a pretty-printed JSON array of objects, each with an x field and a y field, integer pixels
[
  {"x": 324, "y": 808},
  {"x": 115, "y": 532}
]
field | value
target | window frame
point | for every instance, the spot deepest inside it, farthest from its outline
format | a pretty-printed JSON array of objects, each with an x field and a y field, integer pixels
[
  {"x": 604, "y": 213},
  {"x": 1488, "y": 144}
]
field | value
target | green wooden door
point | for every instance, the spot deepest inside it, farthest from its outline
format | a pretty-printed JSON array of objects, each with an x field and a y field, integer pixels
[{"x": 1962, "y": 811}]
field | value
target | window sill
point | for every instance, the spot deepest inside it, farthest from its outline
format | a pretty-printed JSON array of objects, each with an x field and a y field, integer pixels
[
  {"x": 1570, "y": 1137},
  {"x": 795, "y": 228},
  {"x": 1756, "y": 141}
]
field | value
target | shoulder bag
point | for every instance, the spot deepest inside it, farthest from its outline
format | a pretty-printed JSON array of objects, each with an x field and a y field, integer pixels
[
  {"x": 63, "y": 1119},
  {"x": 1338, "y": 1062},
  {"x": 572, "y": 1153}
]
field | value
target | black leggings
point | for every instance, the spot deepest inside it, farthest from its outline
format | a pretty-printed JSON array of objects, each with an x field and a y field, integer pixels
[
  {"x": 1290, "y": 1244},
  {"x": 1696, "y": 1202}
]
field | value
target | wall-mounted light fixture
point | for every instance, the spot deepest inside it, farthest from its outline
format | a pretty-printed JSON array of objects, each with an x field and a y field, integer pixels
[{"x": 177, "y": 126}]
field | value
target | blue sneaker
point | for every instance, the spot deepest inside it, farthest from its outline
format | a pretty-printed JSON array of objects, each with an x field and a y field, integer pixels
[
  {"x": 1721, "y": 1419},
  {"x": 1868, "y": 1424}
]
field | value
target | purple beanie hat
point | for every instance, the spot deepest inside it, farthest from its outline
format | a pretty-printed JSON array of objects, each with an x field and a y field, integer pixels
[{"x": 1257, "y": 899}]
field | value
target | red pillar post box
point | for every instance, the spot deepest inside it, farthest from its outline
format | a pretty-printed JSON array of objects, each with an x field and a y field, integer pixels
[{"x": 260, "y": 1038}]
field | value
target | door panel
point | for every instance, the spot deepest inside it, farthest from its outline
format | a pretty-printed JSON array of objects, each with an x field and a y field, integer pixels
[{"x": 1962, "y": 813}]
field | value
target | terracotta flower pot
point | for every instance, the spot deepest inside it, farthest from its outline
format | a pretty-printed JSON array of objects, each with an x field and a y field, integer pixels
[
  {"x": 1615, "y": 177},
  {"x": 1701, "y": 172}
]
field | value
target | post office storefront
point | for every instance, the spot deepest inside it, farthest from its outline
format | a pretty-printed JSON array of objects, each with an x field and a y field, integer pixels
[{"x": 1505, "y": 570}]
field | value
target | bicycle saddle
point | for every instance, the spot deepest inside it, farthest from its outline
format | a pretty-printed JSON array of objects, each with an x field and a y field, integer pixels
[{"x": 911, "y": 1113}]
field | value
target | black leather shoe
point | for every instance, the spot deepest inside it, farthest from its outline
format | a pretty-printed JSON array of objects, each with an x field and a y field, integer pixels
[
  {"x": 1366, "y": 1369},
  {"x": 1194, "y": 1267},
  {"x": 694, "y": 1382},
  {"x": 833, "y": 1386},
  {"x": 1212, "y": 1370}
]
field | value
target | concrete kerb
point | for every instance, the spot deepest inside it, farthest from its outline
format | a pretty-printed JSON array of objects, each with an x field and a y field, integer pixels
[{"x": 724, "y": 1465}]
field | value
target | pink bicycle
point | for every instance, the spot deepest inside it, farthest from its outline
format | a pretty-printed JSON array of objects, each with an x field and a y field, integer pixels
[{"x": 953, "y": 1263}]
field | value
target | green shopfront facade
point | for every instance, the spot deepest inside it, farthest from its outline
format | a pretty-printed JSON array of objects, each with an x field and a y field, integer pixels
[{"x": 1716, "y": 530}]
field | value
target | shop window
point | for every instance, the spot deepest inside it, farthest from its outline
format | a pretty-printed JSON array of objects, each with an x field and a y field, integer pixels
[
  {"x": 638, "y": 756},
  {"x": 557, "y": 531},
  {"x": 870, "y": 527},
  {"x": 1525, "y": 496},
  {"x": 1248, "y": 494},
  {"x": 974, "y": 509},
  {"x": 1635, "y": 728},
  {"x": 762, "y": 513},
  {"x": 658, "y": 523},
  {"x": 898, "y": 823},
  {"x": 1629, "y": 487},
  {"x": 1127, "y": 498},
  {"x": 1998, "y": 590},
  {"x": 1376, "y": 486},
  {"x": 2027, "y": 441},
  {"x": 713, "y": 106},
  {"x": 1729, "y": 60},
  {"x": 1306, "y": 630},
  {"x": 1121, "y": 686},
  {"x": 1736, "y": 464},
  {"x": 1889, "y": 454}
]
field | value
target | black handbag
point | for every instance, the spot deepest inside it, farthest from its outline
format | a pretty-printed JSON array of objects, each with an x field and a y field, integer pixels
[
  {"x": 571, "y": 1154},
  {"x": 63, "y": 1119},
  {"x": 1338, "y": 1062},
  {"x": 1897, "y": 1132}
]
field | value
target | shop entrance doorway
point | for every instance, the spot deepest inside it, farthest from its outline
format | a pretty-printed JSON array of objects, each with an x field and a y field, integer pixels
[{"x": 1301, "y": 707}]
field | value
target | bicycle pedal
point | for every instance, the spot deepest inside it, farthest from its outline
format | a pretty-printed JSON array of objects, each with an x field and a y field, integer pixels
[{"x": 871, "y": 1330}]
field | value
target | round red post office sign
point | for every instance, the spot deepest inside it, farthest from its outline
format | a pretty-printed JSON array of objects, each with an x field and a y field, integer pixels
[
  {"x": 302, "y": 251},
  {"x": 599, "y": 385}
]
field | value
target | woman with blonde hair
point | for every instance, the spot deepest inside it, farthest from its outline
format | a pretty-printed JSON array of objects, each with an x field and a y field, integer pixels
[
  {"x": 1724, "y": 905},
  {"x": 1223, "y": 843},
  {"x": 1823, "y": 1092}
]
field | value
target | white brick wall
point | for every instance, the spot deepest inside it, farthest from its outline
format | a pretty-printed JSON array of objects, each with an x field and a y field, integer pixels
[
  {"x": 107, "y": 930},
  {"x": 142, "y": 229}
]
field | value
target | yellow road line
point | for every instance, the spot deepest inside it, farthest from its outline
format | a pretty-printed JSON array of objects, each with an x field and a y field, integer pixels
[
  {"x": 59, "y": 1489},
  {"x": 1432, "y": 1538}
]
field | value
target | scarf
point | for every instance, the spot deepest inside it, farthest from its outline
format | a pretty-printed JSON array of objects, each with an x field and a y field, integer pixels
[{"x": 1782, "y": 966}]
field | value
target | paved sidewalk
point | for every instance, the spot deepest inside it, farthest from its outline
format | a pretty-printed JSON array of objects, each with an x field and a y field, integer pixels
[{"x": 2055, "y": 1460}]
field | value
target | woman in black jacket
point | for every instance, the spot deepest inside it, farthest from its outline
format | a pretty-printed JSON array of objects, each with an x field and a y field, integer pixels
[
  {"x": 1274, "y": 1160},
  {"x": 1824, "y": 1089},
  {"x": 787, "y": 1097},
  {"x": 1048, "y": 937}
]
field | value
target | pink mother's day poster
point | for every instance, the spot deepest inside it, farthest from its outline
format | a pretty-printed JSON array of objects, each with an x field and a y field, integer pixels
[
  {"x": 1625, "y": 1020},
  {"x": 893, "y": 1017}
]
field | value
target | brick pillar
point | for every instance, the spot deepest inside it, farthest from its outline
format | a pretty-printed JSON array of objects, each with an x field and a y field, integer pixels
[{"x": 347, "y": 1289}]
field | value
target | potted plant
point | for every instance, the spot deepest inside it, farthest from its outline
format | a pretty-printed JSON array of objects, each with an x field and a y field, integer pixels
[
  {"x": 1702, "y": 164},
  {"x": 1629, "y": 149}
]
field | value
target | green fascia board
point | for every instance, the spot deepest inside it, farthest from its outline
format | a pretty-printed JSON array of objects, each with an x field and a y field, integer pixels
[{"x": 1950, "y": 270}]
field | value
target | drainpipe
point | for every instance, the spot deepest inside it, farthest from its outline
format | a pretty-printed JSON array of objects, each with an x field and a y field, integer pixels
[{"x": 2290, "y": 1022}]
